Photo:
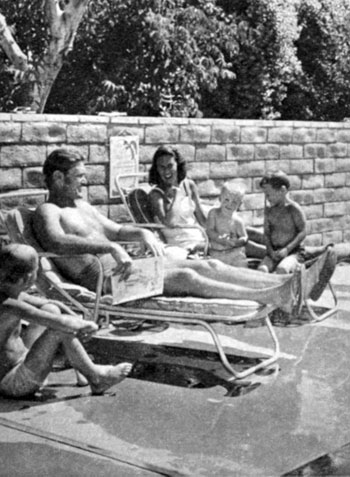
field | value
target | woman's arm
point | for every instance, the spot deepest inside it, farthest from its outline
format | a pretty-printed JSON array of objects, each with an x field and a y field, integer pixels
[{"x": 199, "y": 211}]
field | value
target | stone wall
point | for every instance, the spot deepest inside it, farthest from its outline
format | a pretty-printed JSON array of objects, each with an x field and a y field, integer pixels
[{"x": 315, "y": 155}]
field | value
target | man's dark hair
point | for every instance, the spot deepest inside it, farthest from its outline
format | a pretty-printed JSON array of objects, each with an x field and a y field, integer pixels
[
  {"x": 60, "y": 160},
  {"x": 16, "y": 261},
  {"x": 154, "y": 178},
  {"x": 276, "y": 179}
]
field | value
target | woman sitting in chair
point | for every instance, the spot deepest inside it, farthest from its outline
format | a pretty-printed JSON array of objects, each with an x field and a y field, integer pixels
[{"x": 174, "y": 201}]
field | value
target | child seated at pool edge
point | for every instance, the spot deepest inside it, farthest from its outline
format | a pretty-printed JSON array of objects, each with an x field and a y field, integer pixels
[
  {"x": 226, "y": 229},
  {"x": 284, "y": 225}
]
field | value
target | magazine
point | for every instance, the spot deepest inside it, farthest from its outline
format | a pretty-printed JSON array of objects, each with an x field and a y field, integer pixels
[{"x": 146, "y": 280}]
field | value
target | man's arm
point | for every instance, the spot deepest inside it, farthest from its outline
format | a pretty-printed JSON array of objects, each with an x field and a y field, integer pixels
[{"x": 130, "y": 233}]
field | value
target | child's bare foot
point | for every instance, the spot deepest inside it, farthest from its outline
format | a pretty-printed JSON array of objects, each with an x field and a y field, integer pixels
[{"x": 108, "y": 376}]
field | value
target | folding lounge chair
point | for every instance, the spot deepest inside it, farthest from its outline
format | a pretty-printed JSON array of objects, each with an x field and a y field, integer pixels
[{"x": 186, "y": 311}]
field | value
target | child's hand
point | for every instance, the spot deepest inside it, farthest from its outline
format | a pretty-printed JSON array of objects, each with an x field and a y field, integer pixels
[{"x": 84, "y": 329}]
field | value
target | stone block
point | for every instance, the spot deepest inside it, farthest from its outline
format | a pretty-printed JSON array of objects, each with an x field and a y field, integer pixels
[
  {"x": 253, "y": 201},
  {"x": 314, "y": 181},
  {"x": 280, "y": 135},
  {"x": 146, "y": 154},
  {"x": 314, "y": 240},
  {"x": 325, "y": 135},
  {"x": 333, "y": 209},
  {"x": 323, "y": 195},
  {"x": 338, "y": 149},
  {"x": 10, "y": 179},
  {"x": 22, "y": 155},
  {"x": 253, "y": 135},
  {"x": 33, "y": 177},
  {"x": 198, "y": 171},
  {"x": 312, "y": 151},
  {"x": 304, "y": 135},
  {"x": 9, "y": 132},
  {"x": 43, "y": 132},
  {"x": 278, "y": 165},
  {"x": 343, "y": 135},
  {"x": 242, "y": 152},
  {"x": 97, "y": 194},
  {"x": 98, "y": 154},
  {"x": 267, "y": 151},
  {"x": 87, "y": 133},
  {"x": 324, "y": 165},
  {"x": 342, "y": 165},
  {"x": 118, "y": 129},
  {"x": 335, "y": 180},
  {"x": 208, "y": 188},
  {"x": 333, "y": 236},
  {"x": 162, "y": 134},
  {"x": 223, "y": 170},
  {"x": 320, "y": 225},
  {"x": 313, "y": 211},
  {"x": 291, "y": 151},
  {"x": 224, "y": 133},
  {"x": 301, "y": 166},
  {"x": 211, "y": 153},
  {"x": 303, "y": 197},
  {"x": 195, "y": 134},
  {"x": 341, "y": 194},
  {"x": 251, "y": 169},
  {"x": 96, "y": 174},
  {"x": 187, "y": 151},
  {"x": 81, "y": 149}
]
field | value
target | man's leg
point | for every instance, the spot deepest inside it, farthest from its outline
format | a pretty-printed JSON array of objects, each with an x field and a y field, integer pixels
[
  {"x": 220, "y": 272},
  {"x": 186, "y": 281}
]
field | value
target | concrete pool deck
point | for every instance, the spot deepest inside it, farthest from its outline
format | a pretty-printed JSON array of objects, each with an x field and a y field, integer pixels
[{"x": 177, "y": 415}]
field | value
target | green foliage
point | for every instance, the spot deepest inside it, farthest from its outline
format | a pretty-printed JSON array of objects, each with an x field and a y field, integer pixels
[
  {"x": 213, "y": 58},
  {"x": 322, "y": 91}
]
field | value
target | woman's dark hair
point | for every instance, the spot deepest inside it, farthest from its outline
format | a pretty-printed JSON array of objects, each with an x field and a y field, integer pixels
[
  {"x": 154, "y": 178},
  {"x": 60, "y": 160}
]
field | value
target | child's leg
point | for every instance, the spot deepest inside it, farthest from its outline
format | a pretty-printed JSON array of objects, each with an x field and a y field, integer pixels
[
  {"x": 288, "y": 264},
  {"x": 100, "y": 377},
  {"x": 267, "y": 265}
]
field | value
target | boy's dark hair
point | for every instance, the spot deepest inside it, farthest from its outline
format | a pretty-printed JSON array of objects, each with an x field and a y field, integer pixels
[
  {"x": 60, "y": 160},
  {"x": 16, "y": 261},
  {"x": 276, "y": 179},
  {"x": 153, "y": 177}
]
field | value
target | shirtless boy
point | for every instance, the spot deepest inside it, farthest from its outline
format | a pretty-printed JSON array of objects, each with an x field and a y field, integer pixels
[
  {"x": 67, "y": 224},
  {"x": 284, "y": 225},
  {"x": 23, "y": 371},
  {"x": 226, "y": 229}
]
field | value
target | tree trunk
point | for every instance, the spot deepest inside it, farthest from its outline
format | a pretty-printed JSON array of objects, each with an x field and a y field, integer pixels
[
  {"x": 63, "y": 26},
  {"x": 10, "y": 47}
]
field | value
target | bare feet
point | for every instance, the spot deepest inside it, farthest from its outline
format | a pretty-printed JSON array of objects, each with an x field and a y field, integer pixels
[{"x": 108, "y": 376}]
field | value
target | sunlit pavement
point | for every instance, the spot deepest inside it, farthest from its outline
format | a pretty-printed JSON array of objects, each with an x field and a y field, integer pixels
[{"x": 178, "y": 415}]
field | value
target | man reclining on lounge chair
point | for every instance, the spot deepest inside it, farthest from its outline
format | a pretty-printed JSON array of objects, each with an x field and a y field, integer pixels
[
  {"x": 67, "y": 224},
  {"x": 23, "y": 371}
]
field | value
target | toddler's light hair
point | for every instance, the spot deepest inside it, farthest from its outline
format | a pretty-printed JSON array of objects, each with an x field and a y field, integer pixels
[{"x": 235, "y": 189}]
